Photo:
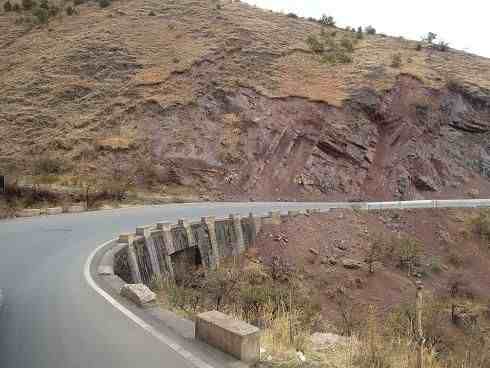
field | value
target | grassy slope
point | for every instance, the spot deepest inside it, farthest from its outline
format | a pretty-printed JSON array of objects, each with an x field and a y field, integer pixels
[{"x": 80, "y": 83}]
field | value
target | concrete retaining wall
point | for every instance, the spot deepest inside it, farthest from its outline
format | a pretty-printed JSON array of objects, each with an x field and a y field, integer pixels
[{"x": 165, "y": 250}]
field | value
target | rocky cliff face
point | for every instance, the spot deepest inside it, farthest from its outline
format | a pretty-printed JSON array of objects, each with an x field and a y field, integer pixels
[
  {"x": 230, "y": 102},
  {"x": 407, "y": 143}
]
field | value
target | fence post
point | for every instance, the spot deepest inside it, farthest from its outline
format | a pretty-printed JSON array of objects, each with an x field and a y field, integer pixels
[{"x": 420, "y": 332}]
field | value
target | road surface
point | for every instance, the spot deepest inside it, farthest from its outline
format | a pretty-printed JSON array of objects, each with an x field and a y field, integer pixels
[{"x": 52, "y": 318}]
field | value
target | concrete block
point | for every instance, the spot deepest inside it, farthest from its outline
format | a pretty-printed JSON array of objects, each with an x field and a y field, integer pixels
[
  {"x": 30, "y": 212},
  {"x": 54, "y": 210},
  {"x": 143, "y": 230},
  {"x": 126, "y": 238},
  {"x": 236, "y": 338},
  {"x": 138, "y": 293},
  {"x": 75, "y": 209}
]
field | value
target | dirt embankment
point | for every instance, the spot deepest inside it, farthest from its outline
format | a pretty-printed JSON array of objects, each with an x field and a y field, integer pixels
[{"x": 330, "y": 252}]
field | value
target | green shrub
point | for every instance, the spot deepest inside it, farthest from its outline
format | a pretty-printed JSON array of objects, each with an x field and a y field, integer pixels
[
  {"x": 104, "y": 3},
  {"x": 53, "y": 10},
  {"x": 28, "y": 4},
  {"x": 315, "y": 45},
  {"x": 292, "y": 15},
  {"x": 152, "y": 13},
  {"x": 408, "y": 251},
  {"x": 435, "y": 265},
  {"x": 42, "y": 15},
  {"x": 7, "y": 6},
  {"x": 78, "y": 2},
  {"x": 16, "y": 8},
  {"x": 70, "y": 10},
  {"x": 370, "y": 30},
  {"x": 47, "y": 165},
  {"x": 481, "y": 225},
  {"x": 442, "y": 46},
  {"x": 346, "y": 43},
  {"x": 396, "y": 60}
]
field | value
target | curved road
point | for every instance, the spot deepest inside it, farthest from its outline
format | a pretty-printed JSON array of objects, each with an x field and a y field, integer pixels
[{"x": 52, "y": 318}]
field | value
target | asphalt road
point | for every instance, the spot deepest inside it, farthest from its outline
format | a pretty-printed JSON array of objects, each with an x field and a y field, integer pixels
[{"x": 52, "y": 318}]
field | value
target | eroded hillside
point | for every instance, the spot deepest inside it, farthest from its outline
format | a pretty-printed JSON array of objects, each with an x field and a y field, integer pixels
[{"x": 227, "y": 99}]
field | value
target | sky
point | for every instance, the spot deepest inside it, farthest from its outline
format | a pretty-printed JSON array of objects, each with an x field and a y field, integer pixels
[{"x": 462, "y": 23}]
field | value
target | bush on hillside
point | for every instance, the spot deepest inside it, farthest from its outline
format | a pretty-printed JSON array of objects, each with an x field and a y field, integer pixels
[
  {"x": 315, "y": 45},
  {"x": 78, "y": 2},
  {"x": 292, "y": 15},
  {"x": 47, "y": 165},
  {"x": 104, "y": 3},
  {"x": 7, "y": 6},
  {"x": 346, "y": 43},
  {"x": 28, "y": 4},
  {"x": 396, "y": 60},
  {"x": 70, "y": 10},
  {"x": 370, "y": 30},
  {"x": 41, "y": 15},
  {"x": 16, "y": 8}
]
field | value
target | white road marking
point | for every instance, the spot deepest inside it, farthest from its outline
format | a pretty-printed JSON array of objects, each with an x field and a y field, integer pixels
[{"x": 150, "y": 329}]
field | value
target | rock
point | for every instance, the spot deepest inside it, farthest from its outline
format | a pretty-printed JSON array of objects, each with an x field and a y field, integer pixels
[
  {"x": 138, "y": 293},
  {"x": 314, "y": 251},
  {"x": 352, "y": 264},
  {"x": 323, "y": 341},
  {"x": 425, "y": 183}
]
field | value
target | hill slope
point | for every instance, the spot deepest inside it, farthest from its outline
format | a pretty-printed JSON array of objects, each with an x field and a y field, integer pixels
[{"x": 230, "y": 100}]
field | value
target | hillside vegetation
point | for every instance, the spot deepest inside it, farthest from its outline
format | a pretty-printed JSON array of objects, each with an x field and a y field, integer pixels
[{"x": 219, "y": 99}]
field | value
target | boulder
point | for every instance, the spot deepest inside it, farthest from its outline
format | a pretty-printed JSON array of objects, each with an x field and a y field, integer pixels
[
  {"x": 323, "y": 341},
  {"x": 352, "y": 264},
  {"x": 425, "y": 183},
  {"x": 138, "y": 293}
]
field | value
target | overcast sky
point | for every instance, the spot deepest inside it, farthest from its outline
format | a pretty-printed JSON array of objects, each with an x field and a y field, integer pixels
[{"x": 464, "y": 24}]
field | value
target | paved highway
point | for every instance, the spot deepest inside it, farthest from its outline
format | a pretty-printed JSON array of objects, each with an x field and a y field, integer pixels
[{"x": 52, "y": 318}]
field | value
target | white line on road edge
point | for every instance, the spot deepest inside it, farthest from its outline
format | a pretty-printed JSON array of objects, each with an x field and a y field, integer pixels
[{"x": 165, "y": 339}]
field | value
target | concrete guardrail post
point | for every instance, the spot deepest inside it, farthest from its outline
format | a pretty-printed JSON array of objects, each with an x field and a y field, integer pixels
[
  {"x": 275, "y": 217},
  {"x": 239, "y": 246},
  {"x": 132, "y": 258},
  {"x": 168, "y": 243},
  {"x": 187, "y": 227},
  {"x": 145, "y": 231},
  {"x": 209, "y": 222}
]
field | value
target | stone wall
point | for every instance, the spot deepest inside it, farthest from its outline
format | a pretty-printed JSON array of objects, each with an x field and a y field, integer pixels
[{"x": 165, "y": 250}]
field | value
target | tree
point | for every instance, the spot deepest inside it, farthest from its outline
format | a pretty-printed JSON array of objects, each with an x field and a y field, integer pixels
[
  {"x": 41, "y": 15},
  {"x": 442, "y": 46},
  {"x": 430, "y": 38},
  {"x": 359, "y": 33},
  {"x": 327, "y": 21},
  {"x": 370, "y": 30}
]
